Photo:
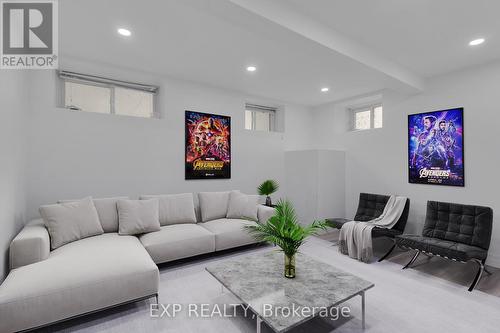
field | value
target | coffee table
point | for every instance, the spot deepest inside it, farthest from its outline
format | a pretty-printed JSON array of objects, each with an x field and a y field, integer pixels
[{"x": 257, "y": 281}]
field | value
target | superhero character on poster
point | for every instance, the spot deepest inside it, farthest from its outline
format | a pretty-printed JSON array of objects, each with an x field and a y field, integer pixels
[
  {"x": 436, "y": 147},
  {"x": 208, "y": 146}
]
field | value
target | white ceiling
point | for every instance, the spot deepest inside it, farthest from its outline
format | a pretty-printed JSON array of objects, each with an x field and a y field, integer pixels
[
  {"x": 429, "y": 37},
  {"x": 298, "y": 46}
]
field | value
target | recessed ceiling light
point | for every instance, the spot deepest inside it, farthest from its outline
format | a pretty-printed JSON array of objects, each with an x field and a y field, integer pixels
[
  {"x": 476, "y": 42},
  {"x": 325, "y": 89},
  {"x": 251, "y": 68},
  {"x": 124, "y": 32}
]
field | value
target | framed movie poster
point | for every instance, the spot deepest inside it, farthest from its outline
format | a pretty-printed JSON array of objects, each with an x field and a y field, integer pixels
[
  {"x": 436, "y": 147},
  {"x": 208, "y": 146}
]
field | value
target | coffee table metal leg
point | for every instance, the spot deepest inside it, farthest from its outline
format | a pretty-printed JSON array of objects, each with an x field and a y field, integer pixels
[
  {"x": 259, "y": 324},
  {"x": 363, "y": 309}
]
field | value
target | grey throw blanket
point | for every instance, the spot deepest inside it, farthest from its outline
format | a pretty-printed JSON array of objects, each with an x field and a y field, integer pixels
[{"x": 355, "y": 237}]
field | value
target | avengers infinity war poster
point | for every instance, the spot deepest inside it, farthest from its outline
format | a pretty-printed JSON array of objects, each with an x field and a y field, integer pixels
[
  {"x": 436, "y": 147},
  {"x": 208, "y": 146}
]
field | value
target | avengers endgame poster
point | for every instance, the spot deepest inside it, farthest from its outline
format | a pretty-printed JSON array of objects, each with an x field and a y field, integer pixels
[
  {"x": 208, "y": 146},
  {"x": 436, "y": 147}
]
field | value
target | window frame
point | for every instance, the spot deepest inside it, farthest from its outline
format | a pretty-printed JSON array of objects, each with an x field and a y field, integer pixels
[
  {"x": 254, "y": 108},
  {"x": 111, "y": 85},
  {"x": 369, "y": 107}
]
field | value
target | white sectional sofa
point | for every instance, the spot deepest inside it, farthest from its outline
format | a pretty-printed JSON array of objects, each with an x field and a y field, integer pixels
[{"x": 45, "y": 286}]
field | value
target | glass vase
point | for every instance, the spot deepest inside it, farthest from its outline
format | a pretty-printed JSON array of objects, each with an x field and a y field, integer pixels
[{"x": 290, "y": 266}]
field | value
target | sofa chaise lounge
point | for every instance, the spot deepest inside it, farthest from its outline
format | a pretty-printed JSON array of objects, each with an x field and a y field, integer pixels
[{"x": 46, "y": 286}]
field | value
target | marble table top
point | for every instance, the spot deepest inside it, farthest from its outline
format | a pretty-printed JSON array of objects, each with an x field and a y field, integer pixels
[{"x": 257, "y": 281}]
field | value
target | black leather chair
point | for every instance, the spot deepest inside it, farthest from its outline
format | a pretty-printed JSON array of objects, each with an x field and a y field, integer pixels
[
  {"x": 453, "y": 231},
  {"x": 371, "y": 206}
]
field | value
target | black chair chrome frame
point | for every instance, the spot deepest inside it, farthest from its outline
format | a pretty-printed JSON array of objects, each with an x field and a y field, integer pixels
[
  {"x": 461, "y": 233},
  {"x": 480, "y": 263}
]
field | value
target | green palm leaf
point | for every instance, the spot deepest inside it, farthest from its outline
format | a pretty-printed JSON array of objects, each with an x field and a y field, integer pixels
[
  {"x": 268, "y": 187},
  {"x": 284, "y": 229}
]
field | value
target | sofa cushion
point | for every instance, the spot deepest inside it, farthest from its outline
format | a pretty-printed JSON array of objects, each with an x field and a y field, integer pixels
[
  {"x": 242, "y": 206},
  {"x": 107, "y": 211},
  {"x": 138, "y": 216},
  {"x": 229, "y": 232},
  {"x": 178, "y": 241},
  {"x": 83, "y": 276},
  {"x": 213, "y": 205},
  {"x": 71, "y": 221},
  {"x": 174, "y": 208},
  {"x": 444, "y": 248},
  {"x": 264, "y": 213}
]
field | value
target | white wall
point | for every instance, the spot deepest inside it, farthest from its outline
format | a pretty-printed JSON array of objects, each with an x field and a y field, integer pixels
[
  {"x": 301, "y": 180},
  {"x": 376, "y": 159},
  {"x": 74, "y": 154},
  {"x": 331, "y": 184},
  {"x": 315, "y": 183},
  {"x": 13, "y": 109}
]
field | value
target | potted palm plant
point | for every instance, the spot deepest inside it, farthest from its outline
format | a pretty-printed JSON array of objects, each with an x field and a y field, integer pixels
[
  {"x": 284, "y": 230},
  {"x": 267, "y": 188}
]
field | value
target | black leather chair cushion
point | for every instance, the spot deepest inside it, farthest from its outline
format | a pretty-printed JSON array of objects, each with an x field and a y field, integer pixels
[
  {"x": 466, "y": 224},
  {"x": 444, "y": 248},
  {"x": 384, "y": 232},
  {"x": 376, "y": 232},
  {"x": 370, "y": 206}
]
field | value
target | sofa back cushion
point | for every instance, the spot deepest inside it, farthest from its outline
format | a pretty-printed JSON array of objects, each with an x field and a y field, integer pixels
[
  {"x": 242, "y": 206},
  {"x": 71, "y": 221},
  {"x": 465, "y": 224},
  {"x": 213, "y": 205},
  {"x": 174, "y": 208},
  {"x": 107, "y": 211},
  {"x": 138, "y": 216}
]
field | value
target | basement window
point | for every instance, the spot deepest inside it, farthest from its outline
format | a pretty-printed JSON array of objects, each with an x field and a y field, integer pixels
[
  {"x": 103, "y": 95},
  {"x": 367, "y": 117},
  {"x": 260, "y": 118}
]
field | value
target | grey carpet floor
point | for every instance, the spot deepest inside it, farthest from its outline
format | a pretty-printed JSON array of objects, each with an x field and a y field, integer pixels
[{"x": 430, "y": 297}]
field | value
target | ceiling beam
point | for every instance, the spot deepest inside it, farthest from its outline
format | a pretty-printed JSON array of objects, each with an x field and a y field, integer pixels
[{"x": 307, "y": 27}]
